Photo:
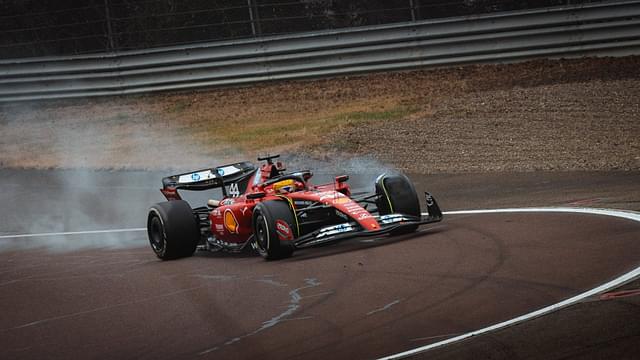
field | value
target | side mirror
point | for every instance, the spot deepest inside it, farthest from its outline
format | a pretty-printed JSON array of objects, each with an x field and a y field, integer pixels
[
  {"x": 306, "y": 175},
  {"x": 256, "y": 195},
  {"x": 342, "y": 178}
]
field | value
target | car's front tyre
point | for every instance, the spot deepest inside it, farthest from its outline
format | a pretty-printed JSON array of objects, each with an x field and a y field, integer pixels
[{"x": 396, "y": 194}]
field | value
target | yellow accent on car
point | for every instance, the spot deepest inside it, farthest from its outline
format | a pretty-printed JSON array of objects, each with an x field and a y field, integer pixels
[
  {"x": 293, "y": 210},
  {"x": 284, "y": 186},
  {"x": 386, "y": 194},
  {"x": 230, "y": 222}
]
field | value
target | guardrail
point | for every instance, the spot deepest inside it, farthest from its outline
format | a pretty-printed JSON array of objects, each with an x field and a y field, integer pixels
[{"x": 595, "y": 29}]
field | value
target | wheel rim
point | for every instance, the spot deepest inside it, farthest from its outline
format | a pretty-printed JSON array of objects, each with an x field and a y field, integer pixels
[
  {"x": 262, "y": 238},
  {"x": 156, "y": 237}
]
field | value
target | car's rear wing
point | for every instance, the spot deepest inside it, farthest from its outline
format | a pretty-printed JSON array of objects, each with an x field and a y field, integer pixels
[{"x": 205, "y": 179}]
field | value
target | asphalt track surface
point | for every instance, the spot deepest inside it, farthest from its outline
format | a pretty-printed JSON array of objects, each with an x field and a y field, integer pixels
[{"x": 105, "y": 295}]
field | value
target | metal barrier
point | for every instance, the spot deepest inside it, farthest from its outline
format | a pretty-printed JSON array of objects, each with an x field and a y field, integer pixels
[{"x": 596, "y": 29}]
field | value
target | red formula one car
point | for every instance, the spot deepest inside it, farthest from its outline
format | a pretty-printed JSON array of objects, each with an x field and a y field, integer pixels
[{"x": 276, "y": 212}]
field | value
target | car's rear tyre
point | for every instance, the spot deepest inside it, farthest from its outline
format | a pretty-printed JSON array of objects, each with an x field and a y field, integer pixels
[
  {"x": 396, "y": 194},
  {"x": 274, "y": 228},
  {"x": 172, "y": 230}
]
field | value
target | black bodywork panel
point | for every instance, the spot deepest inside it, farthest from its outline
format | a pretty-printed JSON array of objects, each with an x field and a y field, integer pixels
[{"x": 210, "y": 178}]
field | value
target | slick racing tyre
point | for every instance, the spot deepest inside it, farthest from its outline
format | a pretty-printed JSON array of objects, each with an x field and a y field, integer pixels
[
  {"x": 396, "y": 194},
  {"x": 172, "y": 229},
  {"x": 274, "y": 228}
]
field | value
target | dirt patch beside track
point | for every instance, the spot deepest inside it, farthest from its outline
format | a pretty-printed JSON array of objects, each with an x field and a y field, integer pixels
[{"x": 539, "y": 115}]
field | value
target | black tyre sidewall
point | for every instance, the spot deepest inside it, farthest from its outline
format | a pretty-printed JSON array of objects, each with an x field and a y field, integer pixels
[
  {"x": 398, "y": 190},
  {"x": 265, "y": 215},
  {"x": 180, "y": 230}
]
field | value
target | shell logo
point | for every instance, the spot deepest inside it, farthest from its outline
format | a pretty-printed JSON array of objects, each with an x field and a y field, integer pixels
[{"x": 230, "y": 222}]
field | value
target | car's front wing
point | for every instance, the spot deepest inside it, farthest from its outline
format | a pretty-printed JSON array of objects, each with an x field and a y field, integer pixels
[{"x": 388, "y": 223}]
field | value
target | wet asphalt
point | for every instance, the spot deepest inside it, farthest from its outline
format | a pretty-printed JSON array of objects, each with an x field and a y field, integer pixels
[{"x": 107, "y": 295}]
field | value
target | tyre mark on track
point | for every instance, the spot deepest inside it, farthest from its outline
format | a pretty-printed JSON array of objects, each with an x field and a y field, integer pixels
[
  {"x": 78, "y": 266},
  {"x": 386, "y": 307},
  {"x": 294, "y": 304},
  {"x": 434, "y": 337},
  {"x": 629, "y": 276},
  {"x": 501, "y": 254},
  {"x": 102, "y": 308}
]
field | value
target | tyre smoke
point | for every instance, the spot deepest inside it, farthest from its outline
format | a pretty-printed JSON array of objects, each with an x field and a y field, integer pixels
[{"x": 78, "y": 171}]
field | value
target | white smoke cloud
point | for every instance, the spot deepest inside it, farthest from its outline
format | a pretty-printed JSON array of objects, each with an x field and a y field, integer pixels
[{"x": 86, "y": 197}]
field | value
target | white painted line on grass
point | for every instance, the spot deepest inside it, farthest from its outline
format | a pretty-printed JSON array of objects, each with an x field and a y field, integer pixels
[
  {"x": 630, "y": 215},
  {"x": 71, "y": 233}
]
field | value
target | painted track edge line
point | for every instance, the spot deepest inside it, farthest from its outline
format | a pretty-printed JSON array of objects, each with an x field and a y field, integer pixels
[
  {"x": 625, "y": 214},
  {"x": 631, "y": 275},
  {"x": 88, "y": 232}
]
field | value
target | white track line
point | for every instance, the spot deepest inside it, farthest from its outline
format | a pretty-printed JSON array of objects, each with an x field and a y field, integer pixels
[
  {"x": 629, "y": 215},
  {"x": 71, "y": 233},
  {"x": 546, "y": 310}
]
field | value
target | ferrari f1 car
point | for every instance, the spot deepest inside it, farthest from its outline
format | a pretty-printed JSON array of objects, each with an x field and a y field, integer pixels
[{"x": 276, "y": 212}]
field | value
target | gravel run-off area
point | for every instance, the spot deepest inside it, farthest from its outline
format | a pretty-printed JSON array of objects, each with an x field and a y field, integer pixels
[{"x": 549, "y": 115}]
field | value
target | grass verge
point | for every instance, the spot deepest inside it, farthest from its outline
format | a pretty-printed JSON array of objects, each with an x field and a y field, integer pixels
[{"x": 255, "y": 135}]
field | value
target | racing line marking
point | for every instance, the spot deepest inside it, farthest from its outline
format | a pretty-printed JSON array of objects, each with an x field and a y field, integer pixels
[{"x": 629, "y": 215}]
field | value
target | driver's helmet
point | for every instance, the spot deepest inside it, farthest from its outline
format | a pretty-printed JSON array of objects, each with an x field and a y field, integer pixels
[{"x": 285, "y": 186}]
